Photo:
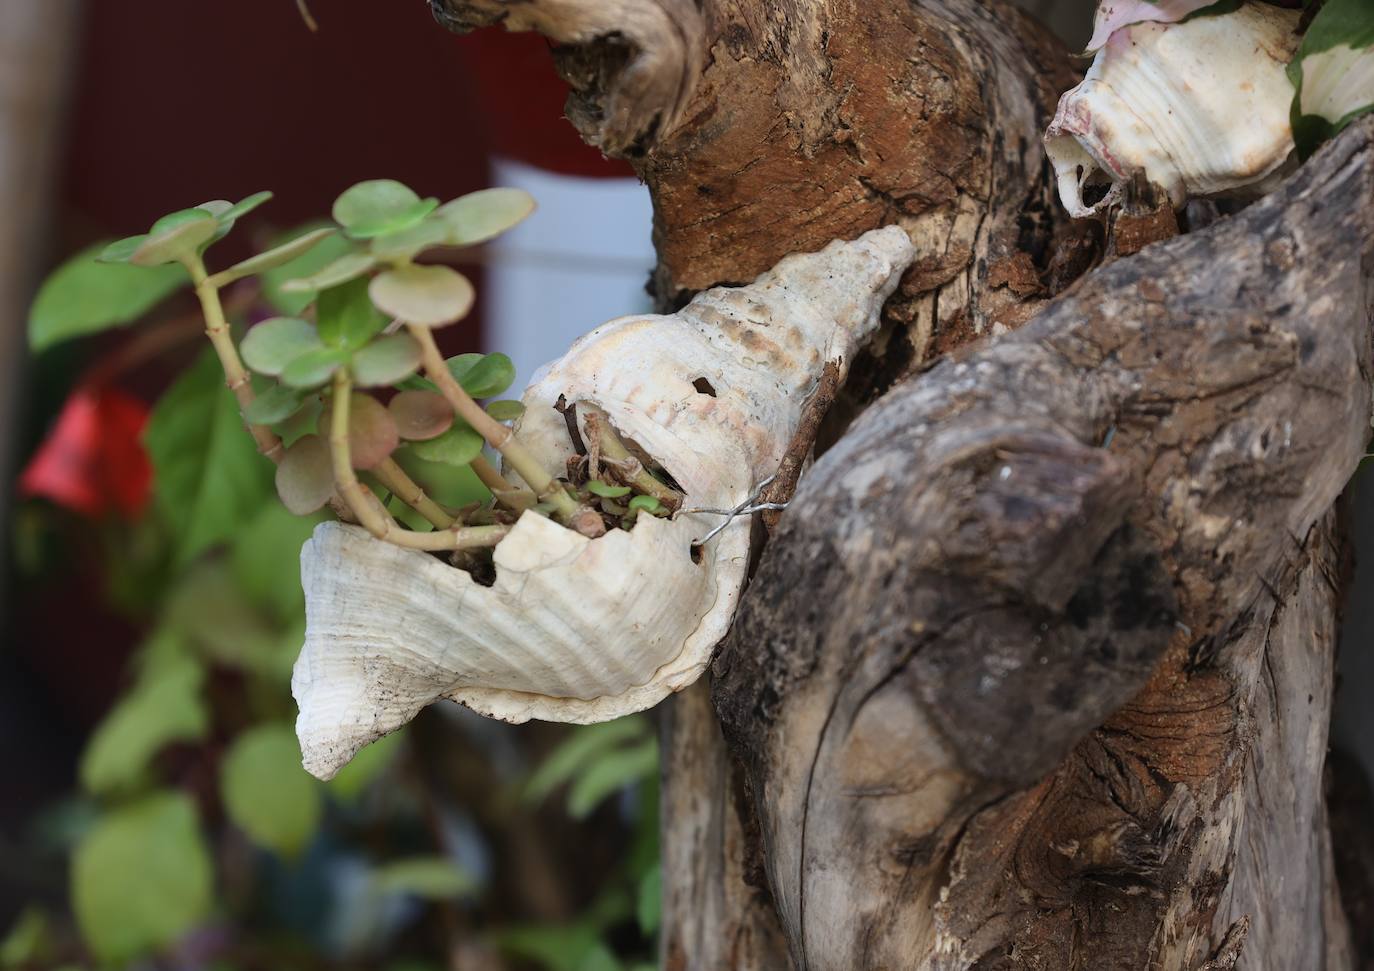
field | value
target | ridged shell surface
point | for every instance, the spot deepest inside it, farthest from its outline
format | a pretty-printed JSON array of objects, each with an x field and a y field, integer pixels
[
  {"x": 577, "y": 629},
  {"x": 1200, "y": 107}
]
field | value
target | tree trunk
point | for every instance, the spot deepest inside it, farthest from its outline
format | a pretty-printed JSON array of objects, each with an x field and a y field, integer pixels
[{"x": 1036, "y": 672}]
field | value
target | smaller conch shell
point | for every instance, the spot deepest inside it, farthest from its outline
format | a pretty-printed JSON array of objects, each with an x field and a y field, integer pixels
[
  {"x": 584, "y": 630},
  {"x": 1199, "y": 107}
]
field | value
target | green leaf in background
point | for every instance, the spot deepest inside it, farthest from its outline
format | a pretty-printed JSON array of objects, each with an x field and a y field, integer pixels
[
  {"x": 209, "y": 477},
  {"x": 610, "y": 773},
  {"x": 380, "y": 206},
  {"x": 649, "y": 906},
  {"x": 266, "y": 792},
  {"x": 141, "y": 878},
  {"x": 265, "y": 560},
  {"x": 431, "y": 296},
  {"x": 85, "y": 297},
  {"x": 480, "y": 216},
  {"x": 482, "y": 375},
  {"x": 219, "y": 621},
  {"x": 164, "y": 706},
  {"x": 449, "y": 485},
  {"x": 573, "y": 947},
  {"x": 330, "y": 248},
  {"x": 29, "y": 940},
  {"x": 1333, "y": 72},
  {"x": 367, "y": 766},
  {"x": 586, "y": 744},
  {"x": 345, "y": 316},
  {"x": 430, "y": 877}
]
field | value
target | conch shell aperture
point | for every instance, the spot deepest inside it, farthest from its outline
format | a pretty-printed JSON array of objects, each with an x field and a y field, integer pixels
[
  {"x": 1200, "y": 107},
  {"x": 586, "y": 630}
]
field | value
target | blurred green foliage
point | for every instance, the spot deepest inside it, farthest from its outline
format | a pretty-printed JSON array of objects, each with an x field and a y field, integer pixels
[{"x": 197, "y": 841}]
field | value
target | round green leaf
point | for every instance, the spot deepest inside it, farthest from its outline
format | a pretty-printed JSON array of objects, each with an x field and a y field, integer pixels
[
  {"x": 598, "y": 488},
  {"x": 488, "y": 375},
  {"x": 273, "y": 258},
  {"x": 266, "y": 792},
  {"x": 141, "y": 878},
  {"x": 277, "y": 403},
  {"x": 480, "y": 216},
  {"x": 120, "y": 251},
  {"x": 84, "y": 297},
  {"x": 305, "y": 476},
  {"x": 345, "y": 315},
  {"x": 314, "y": 368},
  {"x": 457, "y": 446},
  {"x": 430, "y": 296},
  {"x": 385, "y": 361},
  {"x": 177, "y": 242},
  {"x": 507, "y": 410},
  {"x": 372, "y": 434},
  {"x": 273, "y": 344},
  {"x": 420, "y": 415},
  {"x": 380, "y": 206},
  {"x": 350, "y": 266}
]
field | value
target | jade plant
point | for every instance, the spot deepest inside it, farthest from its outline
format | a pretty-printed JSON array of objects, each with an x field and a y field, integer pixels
[{"x": 334, "y": 392}]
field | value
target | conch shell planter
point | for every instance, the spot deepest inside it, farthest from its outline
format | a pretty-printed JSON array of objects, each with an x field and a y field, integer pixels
[
  {"x": 1199, "y": 107},
  {"x": 585, "y": 630}
]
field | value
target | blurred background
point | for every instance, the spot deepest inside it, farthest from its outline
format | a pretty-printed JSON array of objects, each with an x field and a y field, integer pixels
[{"x": 153, "y": 813}]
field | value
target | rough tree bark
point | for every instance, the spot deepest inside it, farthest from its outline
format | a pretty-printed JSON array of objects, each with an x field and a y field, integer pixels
[{"x": 1036, "y": 672}]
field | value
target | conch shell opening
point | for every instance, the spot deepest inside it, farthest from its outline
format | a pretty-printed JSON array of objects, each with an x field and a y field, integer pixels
[
  {"x": 585, "y": 630},
  {"x": 1199, "y": 107}
]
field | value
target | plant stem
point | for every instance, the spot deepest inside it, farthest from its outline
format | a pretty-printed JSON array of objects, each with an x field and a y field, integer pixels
[
  {"x": 235, "y": 375},
  {"x": 497, "y": 435},
  {"x": 406, "y": 489},
  {"x": 490, "y": 477},
  {"x": 365, "y": 505},
  {"x": 637, "y": 476}
]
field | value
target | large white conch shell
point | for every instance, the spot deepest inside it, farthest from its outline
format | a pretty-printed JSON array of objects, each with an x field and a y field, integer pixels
[
  {"x": 1200, "y": 107},
  {"x": 577, "y": 629}
]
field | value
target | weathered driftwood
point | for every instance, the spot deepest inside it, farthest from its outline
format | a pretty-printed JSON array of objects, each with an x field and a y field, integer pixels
[
  {"x": 808, "y": 120},
  {"x": 1127, "y": 499},
  {"x": 805, "y": 122}
]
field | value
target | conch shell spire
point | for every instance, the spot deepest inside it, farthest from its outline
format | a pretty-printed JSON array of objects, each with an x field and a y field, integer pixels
[
  {"x": 1199, "y": 107},
  {"x": 584, "y": 630}
]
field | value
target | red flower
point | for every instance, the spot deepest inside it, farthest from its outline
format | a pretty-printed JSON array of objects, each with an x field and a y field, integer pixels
[{"x": 93, "y": 461}]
